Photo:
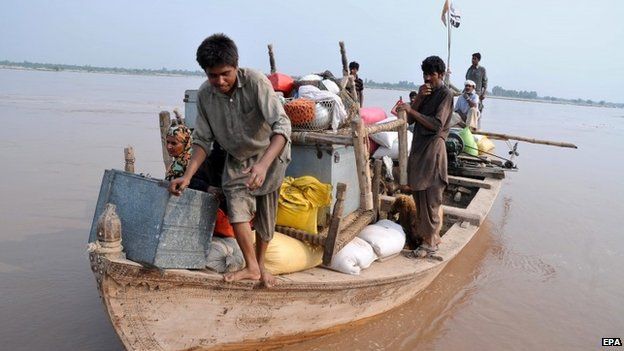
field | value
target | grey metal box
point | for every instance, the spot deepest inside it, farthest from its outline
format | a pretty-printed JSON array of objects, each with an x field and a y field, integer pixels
[
  {"x": 190, "y": 108},
  {"x": 158, "y": 228},
  {"x": 328, "y": 164}
]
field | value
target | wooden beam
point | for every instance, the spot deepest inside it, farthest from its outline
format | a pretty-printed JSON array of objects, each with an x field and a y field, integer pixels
[
  {"x": 502, "y": 136},
  {"x": 361, "y": 163},
  {"x": 470, "y": 182},
  {"x": 403, "y": 148},
  {"x": 484, "y": 172},
  {"x": 165, "y": 122},
  {"x": 334, "y": 224},
  {"x": 376, "y": 187},
  {"x": 391, "y": 126}
]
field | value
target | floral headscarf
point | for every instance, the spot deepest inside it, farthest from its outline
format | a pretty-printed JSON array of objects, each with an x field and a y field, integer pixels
[{"x": 178, "y": 167}]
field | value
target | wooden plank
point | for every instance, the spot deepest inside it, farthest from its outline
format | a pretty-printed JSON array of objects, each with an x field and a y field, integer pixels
[
  {"x": 468, "y": 182},
  {"x": 478, "y": 172},
  {"x": 350, "y": 228},
  {"x": 462, "y": 214}
]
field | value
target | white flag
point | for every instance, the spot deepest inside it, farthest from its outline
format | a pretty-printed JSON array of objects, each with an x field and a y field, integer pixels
[{"x": 454, "y": 15}]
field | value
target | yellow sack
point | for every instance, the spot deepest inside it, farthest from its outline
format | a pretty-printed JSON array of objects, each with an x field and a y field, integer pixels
[
  {"x": 485, "y": 145},
  {"x": 299, "y": 200},
  {"x": 287, "y": 255}
]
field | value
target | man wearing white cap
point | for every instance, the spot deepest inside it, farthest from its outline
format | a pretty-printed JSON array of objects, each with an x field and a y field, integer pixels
[{"x": 467, "y": 106}]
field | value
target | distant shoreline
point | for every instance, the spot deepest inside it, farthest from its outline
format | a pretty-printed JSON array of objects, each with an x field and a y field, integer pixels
[{"x": 27, "y": 66}]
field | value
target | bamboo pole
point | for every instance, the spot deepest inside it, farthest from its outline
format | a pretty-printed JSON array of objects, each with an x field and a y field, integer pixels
[
  {"x": 334, "y": 224},
  {"x": 361, "y": 163},
  {"x": 165, "y": 122},
  {"x": 403, "y": 148},
  {"x": 391, "y": 126},
  {"x": 307, "y": 138},
  {"x": 129, "y": 159},
  {"x": 526, "y": 139},
  {"x": 271, "y": 59}
]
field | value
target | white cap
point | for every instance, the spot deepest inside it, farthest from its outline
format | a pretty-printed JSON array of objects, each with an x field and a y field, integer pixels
[{"x": 469, "y": 82}]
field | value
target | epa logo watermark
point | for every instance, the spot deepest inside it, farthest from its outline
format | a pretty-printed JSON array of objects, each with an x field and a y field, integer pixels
[{"x": 611, "y": 342}]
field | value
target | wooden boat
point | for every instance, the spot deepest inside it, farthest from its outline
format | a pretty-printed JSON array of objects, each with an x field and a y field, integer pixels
[
  {"x": 177, "y": 309},
  {"x": 152, "y": 309}
]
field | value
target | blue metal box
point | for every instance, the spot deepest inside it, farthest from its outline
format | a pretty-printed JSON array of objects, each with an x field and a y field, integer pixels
[
  {"x": 331, "y": 165},
  {"x": 158, "y": 228}
]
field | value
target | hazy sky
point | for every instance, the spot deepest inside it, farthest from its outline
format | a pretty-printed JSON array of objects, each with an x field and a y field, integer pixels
[{"x": 568, "y": 49}]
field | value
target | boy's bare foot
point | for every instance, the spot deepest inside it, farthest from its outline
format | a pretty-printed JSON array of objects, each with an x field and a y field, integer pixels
[
  {"x": 244, "y": 273},
  {"x": 268, "y": 280}
]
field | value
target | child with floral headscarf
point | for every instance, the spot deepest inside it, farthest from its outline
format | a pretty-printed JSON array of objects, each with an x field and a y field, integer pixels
[{"x": 179, "y": 147}]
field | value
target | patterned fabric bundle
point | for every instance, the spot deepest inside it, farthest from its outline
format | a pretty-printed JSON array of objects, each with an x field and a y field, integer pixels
[{"x": 182, "y": 135}]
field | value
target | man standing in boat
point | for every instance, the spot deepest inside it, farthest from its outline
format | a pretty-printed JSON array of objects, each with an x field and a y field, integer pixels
[
  {"x": 427, "y": 164},
  {"x": 238, "y": 108},
  {"x": 354, "y": 67},
  {"x": 478, "y": 74}
]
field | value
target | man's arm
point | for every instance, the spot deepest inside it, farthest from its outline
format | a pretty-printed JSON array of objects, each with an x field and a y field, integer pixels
[
  {"x": 432, "y": 123},
  {"x": 473, "y": 100}
]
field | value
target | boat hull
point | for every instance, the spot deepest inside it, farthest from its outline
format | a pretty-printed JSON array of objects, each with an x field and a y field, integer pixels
[{"x": 173, "y": 309}]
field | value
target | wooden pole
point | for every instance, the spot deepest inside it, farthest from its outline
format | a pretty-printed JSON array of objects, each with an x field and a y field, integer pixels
[
  {"x": 343, "y": 56},
  {"x": 334, "y": 224},
  {"x": 307, "y": 138},
  {"x": 385, "y": 127},
  {"x": 271, "y": 59},
  {"x": 361, "y": 163},
  {"x": 376, "y": 188},
  {"x": 403, "y": 148},
  {"x": 501, "y": 136},
  {"x": 165, "y": 122},
  {"x": 129, "y": 158}
]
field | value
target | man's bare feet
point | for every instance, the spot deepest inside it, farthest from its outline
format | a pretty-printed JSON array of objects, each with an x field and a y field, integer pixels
[
  {"x": 244, "y": 273},
  {"x": 268, "y": 280}
]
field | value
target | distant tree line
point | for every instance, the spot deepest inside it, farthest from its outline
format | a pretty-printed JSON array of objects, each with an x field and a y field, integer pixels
[
  {"x": 499, "y": 91},
  {"x": 401, "y": 85},
  {"x": 89, "y": 68}
]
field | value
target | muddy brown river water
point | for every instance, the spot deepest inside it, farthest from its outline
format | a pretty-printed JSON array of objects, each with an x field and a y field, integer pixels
[{"x": 543, "y": 273}]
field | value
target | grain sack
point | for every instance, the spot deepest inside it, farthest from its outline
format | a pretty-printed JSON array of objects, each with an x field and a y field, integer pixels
[
  {"x": 385, "y": 237},
  {"x": 225, "y": 255},
  {"x": 355, "y": 256}
]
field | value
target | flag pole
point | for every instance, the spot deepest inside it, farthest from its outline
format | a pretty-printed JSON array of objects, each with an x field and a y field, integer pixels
[{"x": 447, "y": 77}]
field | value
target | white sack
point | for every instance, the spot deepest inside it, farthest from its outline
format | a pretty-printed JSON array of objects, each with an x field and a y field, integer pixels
[
  {"x": 385, "y": 138},
  {"x": 331, "y": 86},
  {"x": 385, "y": 237},
  {"x": 354, "y": 257},
  {"x": 393, "y": 151}
]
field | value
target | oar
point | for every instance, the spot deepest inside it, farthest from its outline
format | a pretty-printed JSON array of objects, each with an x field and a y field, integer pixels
[{"x": 501, "y": 136}]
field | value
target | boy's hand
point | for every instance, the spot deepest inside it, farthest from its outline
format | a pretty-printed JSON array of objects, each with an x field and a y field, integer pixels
[
  {"x": 257, "y": 174},
  {"x": 177, "y": 186},
  {"x": 404, "y": 107}
]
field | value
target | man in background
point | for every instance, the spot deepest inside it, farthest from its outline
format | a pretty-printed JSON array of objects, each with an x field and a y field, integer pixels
[
  {"x": 466, "y": 107},
  {"x": 354, "y": 67},
  {"x": 477, "y": 74}
]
